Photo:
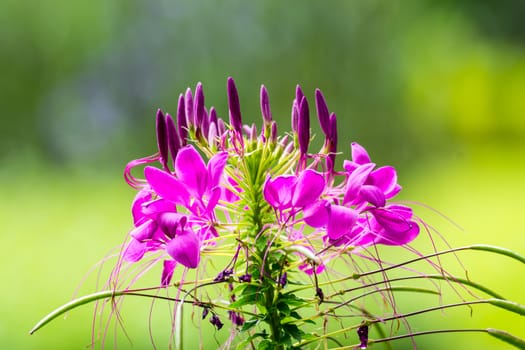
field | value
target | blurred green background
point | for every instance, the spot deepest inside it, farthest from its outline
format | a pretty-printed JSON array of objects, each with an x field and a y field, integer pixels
[{"x": 436, "y": 88}]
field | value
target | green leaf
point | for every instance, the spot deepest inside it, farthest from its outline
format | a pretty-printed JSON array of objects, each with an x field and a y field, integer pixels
[
  {"x": 294, "y": 331},
  {"x": 507, "y": 337},
  {"x": 508, "y": 305},
  {"x": 249, "y": 324}
]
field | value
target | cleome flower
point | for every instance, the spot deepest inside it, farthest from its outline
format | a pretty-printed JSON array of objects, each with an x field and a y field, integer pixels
[{"x": 272, "y": 237}]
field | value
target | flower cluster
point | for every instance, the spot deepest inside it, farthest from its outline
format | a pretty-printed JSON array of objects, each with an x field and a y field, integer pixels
[
  {"x": 274, "y": 239},
  {"x": 319, "y": 211},
  {"x": 281, "y": 207}
]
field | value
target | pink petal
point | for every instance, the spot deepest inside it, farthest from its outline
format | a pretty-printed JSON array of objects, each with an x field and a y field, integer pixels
[
  {"x": 317, "y": 214},
  {"x": 278, "y": 192},
  {"x": 310, "y": 185},
  {"x": 169, "y": 222},
  {"x": 357, "y": 179},
  {"x": 191, "y": 170},
  {"x": 144, "y": 231},
  {"x": 185, "y": 249},
  {"x": 373, "y": 195},
  {"x": 134, "y": 251},
  {"x": 167, "y": 272},
  {"x": 142, "y": 197},
  {"x": 359, "y": 154},
  {"x": 386, "y": 179},
  {"x": 342, "y": 220},
  {"x": 397, "y": 224},
  {"x": 166, "y": 185},
  {"x": 215, "y": 168},
  {"x": 158, "y": 206}
]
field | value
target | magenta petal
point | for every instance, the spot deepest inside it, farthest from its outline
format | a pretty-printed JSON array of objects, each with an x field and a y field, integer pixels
[
  {"x": 166, "y": 185},
  {"x": 215, "y": 168},
  {"x": 359, "y": 154},
  {"x": 144, "y": 231},
  {"x": 167, "y": 272},
  {"x": 386, "y": 179},
  {"x": 215, "y": 195},
  {"x": 373, "y": 195},
  {"x": 342, "y": 220},
  {"x": 134, "y": 251},
  {"x": 310, "y": 185},
  {"x": 158, "y": 206},
  {"x": 169, "y": 222},
  {"x": 357, "y": 179},
  {"x": 278, "y": 192},
  {"x": 397, "y": 223},
  {"x": 185, "y": 249},
  {"x": 191, "y": 170},
  {"x": 317, "y": 214},
  {"x": 142, "y": 197}
]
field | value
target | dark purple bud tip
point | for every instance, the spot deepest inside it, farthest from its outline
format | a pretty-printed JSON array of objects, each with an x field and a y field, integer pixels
[
  {"x": 245, "y": 278},
  {"x": 303, "y": 126},
  {"x": 265, "y": 106},
  {"x": 205, "y": 312},
  {"x": 298, "y": 94},
  {"x": 199, "y": 105},
  {"x": 319, "y": 293},
  {"x": 216, "y": 321},
  {"x": 234, "y": 106},
  {"x": 236, "y": 318},
  {"x": 362, "y": 332},
  {"x": 322, "y": 112},
  {"x": 182, "y": 121},
  {"x": 223, "y": 275},
  {"x": 333, "y": 133},
  {"x": 283, "y": 280},
  {"x": 173, "y": 137},
  {"x": 162, "y": 139}
]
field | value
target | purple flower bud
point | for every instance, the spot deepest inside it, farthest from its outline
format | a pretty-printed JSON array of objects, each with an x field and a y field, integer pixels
[
  {"x": 295, "y": 115},
  {"x": 221, "y": 128},
  {"x": 245, "y": 278},
  {"x": 273, "y": 132},
  {"x": 234, "y": 106},
  {"x": 362, "y": 332},
  {"x": 319, "y": 293},
  {"x": 265, "y": 106},
  {"x": 332, "y": 143},
  {"x": 304, "y": 126},
  {"x": 189, "y": 108},
  {"x": 333, "y": 133},
  {"x": 198, "y": 108},
  {"x": 212, "y": 134},
  {"x": 205, "y": 312},
  {"x": 173, "y": 137},
  {"x": 223, "y": 275},
  {"x": 322, "y": 113},
  {"x": 236, "y": 318},
  {"x": 298, "y": 94},
  {"x": 216, "y": 321},
  {"x": 162, "y": 139},
  {"x": 205, "y": 123},
  {"x": 182, "y": 121},
  {"x": 213, "y": 116},
  {"x": 283, "y": 280}
]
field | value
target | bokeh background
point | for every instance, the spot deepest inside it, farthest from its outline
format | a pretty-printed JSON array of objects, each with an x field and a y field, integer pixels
[{"x": 436, "y": 88}]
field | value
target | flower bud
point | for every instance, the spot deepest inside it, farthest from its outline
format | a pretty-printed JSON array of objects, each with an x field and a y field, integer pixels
[
  {"x": 162, "y": 139},
  {"x": 234, "y": 106}
]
